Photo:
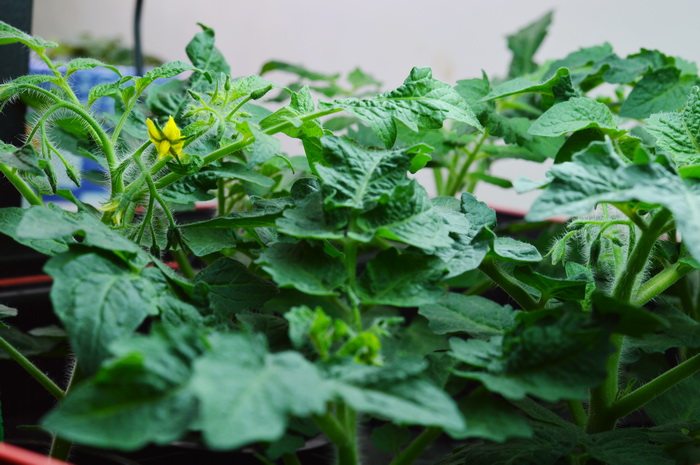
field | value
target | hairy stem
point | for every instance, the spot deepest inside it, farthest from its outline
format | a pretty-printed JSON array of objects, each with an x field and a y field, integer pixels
[
  {"x": 601, "y": 398},
  {"x": 654, "y": 388},
  {"x": 416, "y": 448},
  {"x": 508, "y": 284},
  {"x": 20, "y": 185},
  {"x": 347, "y": 447},
  {"x": 32, "y": 369},
  {"x": 659, "y": 283}
]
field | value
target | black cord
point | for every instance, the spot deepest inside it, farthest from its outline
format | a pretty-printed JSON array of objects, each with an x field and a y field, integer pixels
[{"x": 138, "y": 53}]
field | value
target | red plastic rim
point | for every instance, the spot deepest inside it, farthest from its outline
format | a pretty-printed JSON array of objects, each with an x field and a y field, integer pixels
[{"x": 13, "y": 455}]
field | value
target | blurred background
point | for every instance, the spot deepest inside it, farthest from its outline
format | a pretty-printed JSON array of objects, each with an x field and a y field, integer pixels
[{"x": 386, "y": 38}]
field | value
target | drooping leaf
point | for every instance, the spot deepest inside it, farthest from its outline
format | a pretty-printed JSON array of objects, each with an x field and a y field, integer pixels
[
  {"x": 660, "y": 91},
  {"x": 627, "y": 319},
  {"x": 10, "y": 219},
  {"x": 525, "y": 43},
  {"x": 247, "y": 394},
  {"x": 404, "y": 400},
  {"x": 422, "y": 102},
  {"x": 82, "y": 63},
  {"x": 22, "y": 158},
  {"x": 682, "y": 331},
  {"x": 303, "y": 266},
  {"x": 231, "y": 288},
  {"x": 11, "y": 35},
  {"x": 124, "y": 405},
  {"x": 490, "y": 417},
  {"x": 477, "y": 316},
  {"x": 100, "y": 300},
  {"x": 573, "y": 115},
  {"x": 599, "y": 175},
  {"x": 626, "y": 447},
  {"x": 40, "y": 223},
  {"x": 557, "y": 87},
  {"x": 553, "y": 360}
]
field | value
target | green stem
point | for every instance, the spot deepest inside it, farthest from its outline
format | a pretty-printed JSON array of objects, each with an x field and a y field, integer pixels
[
  {"x": 416, "y": 448},
  {"x": 659, "y": 283},
  {"x": 20, "y": 185},
  {"x": 63, "y": 84},
  {"x": 60, "y": 448},
  {"x": 654, "y": 388},
  {"x": 508, "y": 284},
  {"x": 601, "y": 398},
  {"x": 32, "y": 369},
  {"x": 183, "y": 263},
  {"x": 456, "y": 183},
  {"x": 311, "y": 116},
  {"x": 125, "y": 116},
  {"x": 578, "y": 414},
  {"x": 439, "y": 182},
  {"x": 347, "y": 447},
  {"x": 103, "y": 140},
  {"x": 238, "y": 107},
  {"x": 291, "y": 459}
]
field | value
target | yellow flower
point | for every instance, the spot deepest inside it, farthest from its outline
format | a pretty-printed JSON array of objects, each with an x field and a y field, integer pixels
[
  {"x": 168, "y": 141},
  {"x": 113, "y": 206}
]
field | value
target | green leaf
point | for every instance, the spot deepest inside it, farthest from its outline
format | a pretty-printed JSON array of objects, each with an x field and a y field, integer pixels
[
  {"x": 11, "y": 35},
  {"x": 100, "y": 300},
  {"x": 682, "y": 331},
  {"x": 553, "y": 360},
  {"x": 420, "y": 103},
  {"x": 626, "y": 447},
  {"x": 231, "y": 288},
  {"x": 474, "y": 315},
  {"x": 168, "y": 70},
  {"x": 246, "y": 394},
  {"x": 409, "y": 400},
  {"x": 678, "y": 134},
  {"x": 491, "y": 417},
  {"x": 264, "y": 214},
  {"x": 409, "y": 217},
  {"x": 204, "y": 55},
  {"x": 599, "y": 175},
  {"x": 205, "y": 241},
  {"x": 507, "y": 248},
  {"x": 124, "y": 405},
  {"x": 310, "y": 221},
  {"x": 469, "y": 221},
  {"x": 583, "y": 62},
  {"x": 678, "y": 404},
  {"x": 558, "y": 87},
  {"x": 112, "y": 89},
  {"x": 659, "y": 91},
  {"x": 524, "y": 45},
  {"x": 78, "y": 64},
  {"x": 296, "y": 69},
  {"x": 359, "y": 178},
  {"x": 627, "y": 319},
  {"x": 41, "y": 223},
  {"x": 10, "y": 219},
  {"x": 23, "y": 158},
  {"x": 303, "y": 266},
  {"x": 390, "y": 438},
  {"x": 403, "y": 280},
  {"x": 301, "y": 104},
  {"x": 574, "y": 115},
  {"x": 571, "y": 288}
]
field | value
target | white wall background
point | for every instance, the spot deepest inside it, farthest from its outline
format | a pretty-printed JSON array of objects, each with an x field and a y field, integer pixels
[{"x": 384, "y": 37}]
